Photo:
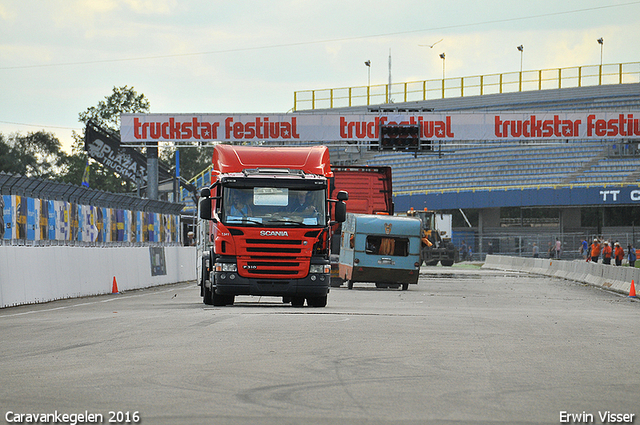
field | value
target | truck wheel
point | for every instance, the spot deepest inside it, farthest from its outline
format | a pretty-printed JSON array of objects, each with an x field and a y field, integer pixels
[
  {"x": 350, "y": 284},
  {"x": 297, "y": 301},
  {"x": 446, "y": 263},
  {"x": 405, "y": 286},
  {"x": 207, "y": 296},
  {"x": 219, "y": 300},
  {"x": 430, "y": 262},
  {"x": 317, "y": 301},
  {"x": 336, "y": 282}
]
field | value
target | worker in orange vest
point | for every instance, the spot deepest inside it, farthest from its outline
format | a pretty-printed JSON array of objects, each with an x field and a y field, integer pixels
[
  {"x": 618, "y": 254},
  {"x": 606, "y": 253},
  {"x": 595, "y": 250}
]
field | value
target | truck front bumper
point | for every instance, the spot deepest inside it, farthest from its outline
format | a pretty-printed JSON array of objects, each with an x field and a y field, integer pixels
[{"x": 231, "y": 283}]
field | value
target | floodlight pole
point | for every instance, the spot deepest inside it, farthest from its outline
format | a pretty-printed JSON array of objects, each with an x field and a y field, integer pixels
[
  {"x": 601, "y": 43},
  {"x": 521, "y": 50}
]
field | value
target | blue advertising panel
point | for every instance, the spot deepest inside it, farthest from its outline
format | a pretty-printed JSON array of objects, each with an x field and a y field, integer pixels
[
  {"x": 151, "y": 227},
  {"x": 32, "y": 219},
  {"x": 7, "y": 214},
  {"x": 51, "y": 220},
  {"x": 119, "y": 225},
  {"x": 560, "y": 196},
  {"x": 82, "y": 224}
]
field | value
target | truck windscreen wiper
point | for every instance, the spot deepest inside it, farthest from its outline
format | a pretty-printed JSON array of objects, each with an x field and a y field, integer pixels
[
  {"x": 285, "y": 220},
  {"x": 244, "y": 220}
]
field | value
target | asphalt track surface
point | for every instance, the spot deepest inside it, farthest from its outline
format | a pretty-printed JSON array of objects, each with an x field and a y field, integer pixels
[{"x": 464, "y": 346}]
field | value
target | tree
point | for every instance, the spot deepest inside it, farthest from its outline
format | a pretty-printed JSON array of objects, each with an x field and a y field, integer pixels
[
  {"x": 106, "y": 115},
  {"x": 38, "y": 154}
]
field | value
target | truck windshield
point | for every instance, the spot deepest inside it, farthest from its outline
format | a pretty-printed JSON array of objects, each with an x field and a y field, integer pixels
[{"x": 273, "y": 206}]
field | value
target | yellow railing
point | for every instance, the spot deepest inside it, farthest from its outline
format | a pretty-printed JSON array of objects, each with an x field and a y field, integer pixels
[{"x": 580, "y": 76}]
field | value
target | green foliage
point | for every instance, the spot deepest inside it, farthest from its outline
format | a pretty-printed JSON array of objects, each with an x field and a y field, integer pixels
[
  {"x": 40, "y": 155},
  {"x": 37, "y": 154},
  {"x": 107, "y": 113}
]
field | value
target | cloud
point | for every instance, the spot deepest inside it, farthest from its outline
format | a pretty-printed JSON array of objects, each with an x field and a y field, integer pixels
[{"x": 5, "y": 15}]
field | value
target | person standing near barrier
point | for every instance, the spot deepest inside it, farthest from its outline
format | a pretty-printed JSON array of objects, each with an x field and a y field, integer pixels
[
  {"x": 618, "y": 254},
  {"x": 558, "y": 248},
  {"x": 464, "y": 250},
  {"x": 584, "y": 249},
  {"x": 606, "y": 253},
  {"x": 631, "y": 253},
  {"x": 595, "y": 250},
  {"x": 536, "y": 251}
]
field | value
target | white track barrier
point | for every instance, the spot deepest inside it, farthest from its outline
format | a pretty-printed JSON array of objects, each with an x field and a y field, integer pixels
[
  {"x": 614, "y": 278},
  {"x": 40, "y": 274}
]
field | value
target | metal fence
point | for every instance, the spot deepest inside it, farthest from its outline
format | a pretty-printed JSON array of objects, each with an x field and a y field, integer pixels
[
  {"x": 55, "y": 191},
  {"x": 520, "y": 244},
  {"x": 37, "y": 212}
]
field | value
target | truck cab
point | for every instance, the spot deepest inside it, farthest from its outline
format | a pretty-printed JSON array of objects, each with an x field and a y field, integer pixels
[{"x": 269, "y": 216}]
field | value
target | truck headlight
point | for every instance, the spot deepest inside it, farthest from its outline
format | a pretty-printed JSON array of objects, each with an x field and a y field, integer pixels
[
  {"x": 226, "y": 267},
  {"x": 320, "y": 268}
]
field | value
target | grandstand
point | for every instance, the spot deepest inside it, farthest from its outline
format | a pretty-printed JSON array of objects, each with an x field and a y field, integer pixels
[
  {"x": 482, "y": 176},
  {"x": 486, "y": 166},
  {"x": 567, "y": 175}
]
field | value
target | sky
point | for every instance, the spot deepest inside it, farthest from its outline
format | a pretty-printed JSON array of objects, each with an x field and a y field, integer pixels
[{"x": 60, "y": 57}]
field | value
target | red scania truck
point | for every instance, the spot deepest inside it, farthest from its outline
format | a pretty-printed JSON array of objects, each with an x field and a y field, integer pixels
[{"x": 268, "y": 215}]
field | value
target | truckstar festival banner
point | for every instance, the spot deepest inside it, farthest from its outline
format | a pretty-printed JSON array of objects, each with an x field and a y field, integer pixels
[{"x": 331, "y": 127}]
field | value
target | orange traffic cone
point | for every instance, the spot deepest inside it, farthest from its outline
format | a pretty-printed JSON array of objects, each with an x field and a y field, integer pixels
[
  {"x": 114, "y": 287},
  {"x": 632, "y": 290}
]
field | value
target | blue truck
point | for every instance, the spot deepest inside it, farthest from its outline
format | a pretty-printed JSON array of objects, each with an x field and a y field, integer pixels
[{"x": 381, "y": 249}]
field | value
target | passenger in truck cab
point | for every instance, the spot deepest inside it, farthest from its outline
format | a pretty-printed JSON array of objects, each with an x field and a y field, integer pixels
[
  {"x": 239, "y": 206},
  {"x": 301, "y": 203}
]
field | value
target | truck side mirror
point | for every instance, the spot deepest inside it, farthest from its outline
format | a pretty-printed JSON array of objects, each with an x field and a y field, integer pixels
[
  {"x": 205, "y": 208},
  {"x": 341, "y": 210},
  {"x": 205, "y": 193},
  {"x": 343, "y": 195}
]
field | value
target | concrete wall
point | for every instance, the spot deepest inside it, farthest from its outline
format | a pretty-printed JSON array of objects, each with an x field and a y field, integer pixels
[
  {"x": 40, "y": 274},
  {"x": 614, "y": 278}
]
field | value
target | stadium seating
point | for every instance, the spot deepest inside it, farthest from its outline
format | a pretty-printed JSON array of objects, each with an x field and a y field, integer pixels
[{"x": 506, "y": 164}]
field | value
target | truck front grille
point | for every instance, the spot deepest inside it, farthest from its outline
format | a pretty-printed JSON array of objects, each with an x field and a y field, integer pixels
[{"x": 273, "y": 257}]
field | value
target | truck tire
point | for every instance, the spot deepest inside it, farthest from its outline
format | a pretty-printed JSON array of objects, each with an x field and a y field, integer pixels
[
  {"x": 446, "y": 263},
  {"x": 203, "y": 275},
  {"x": 405, "y": 286},
  {"x": 336, "y": 282},
  {"x": 207, "y": 296},
  {"x": 219, "y": 300},
  {"x": 317, "y": 301},
  {"x": 350, "y": 284}
]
